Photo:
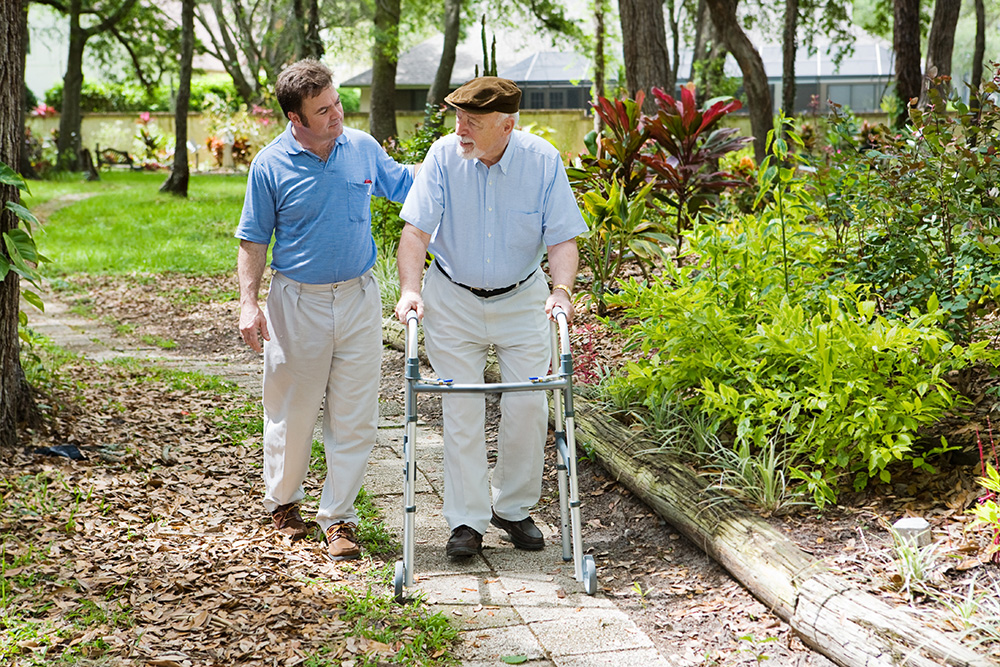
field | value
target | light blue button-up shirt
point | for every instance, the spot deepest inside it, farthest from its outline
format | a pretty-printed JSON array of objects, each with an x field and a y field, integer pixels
[
  {"x": 319, "y": 211},
  {"x": 490, "y": 226}
]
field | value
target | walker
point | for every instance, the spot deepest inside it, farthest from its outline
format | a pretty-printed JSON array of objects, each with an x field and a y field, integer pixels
[{"x": 561, "y": 385}]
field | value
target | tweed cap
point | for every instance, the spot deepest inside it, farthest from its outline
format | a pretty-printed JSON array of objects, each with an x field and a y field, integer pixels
[{"x": 486, "y": 94}]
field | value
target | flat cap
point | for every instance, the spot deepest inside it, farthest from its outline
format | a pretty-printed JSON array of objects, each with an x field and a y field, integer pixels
[{"x": 486, "y": 94}]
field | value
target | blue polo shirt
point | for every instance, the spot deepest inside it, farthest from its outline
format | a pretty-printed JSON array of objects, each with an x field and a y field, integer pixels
[
  {"x": 318, "y": 212},
  {"x": 490, "y": 226}
]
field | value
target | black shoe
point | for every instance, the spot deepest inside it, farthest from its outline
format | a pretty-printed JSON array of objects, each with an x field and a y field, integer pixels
[
  {"x": 524, "y": 533},
  {"x": 464, "y": 542}
]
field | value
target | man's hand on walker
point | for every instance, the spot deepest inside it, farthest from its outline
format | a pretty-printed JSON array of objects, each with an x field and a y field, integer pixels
[
  {"x": 559, "y": 299},
  {"x": 409, "y": 301}
]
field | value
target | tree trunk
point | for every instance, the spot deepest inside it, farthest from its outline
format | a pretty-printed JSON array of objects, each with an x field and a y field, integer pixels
[
  {"x": 69, "y": 143},
  {"x": 644, "y": 43},
  {"x": 600, "y": 9},
  {"x": 979, "y": 51},
  {"x": 177, "y": 182},
  {"x": 313, "y": 42},
  {"x": 675, "y": 45},
  {"x": 789, "y": 46},
  {"x": 16, "y": 402},
  {"x": 849, "y": 626},
  {"x": 442, "y": 78},
  {"x": 906, "y": 44},
  {"x": 941, "y": 43},
  {"x": 24, "y": 162},
  {"x": 755, "y": 84},
  {"x": 385, "y": 54}
]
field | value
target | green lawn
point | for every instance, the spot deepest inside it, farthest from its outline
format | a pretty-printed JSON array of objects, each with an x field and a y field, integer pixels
[{"x": 127, "y": 225}]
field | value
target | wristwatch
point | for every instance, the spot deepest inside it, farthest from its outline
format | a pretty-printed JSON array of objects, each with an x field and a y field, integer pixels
[{"x": 568, "y": 291}]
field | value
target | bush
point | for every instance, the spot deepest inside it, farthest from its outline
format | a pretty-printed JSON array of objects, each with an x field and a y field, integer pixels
[
  {"x": 813, "y": 365},
  {"x": 127, "y": 97}
]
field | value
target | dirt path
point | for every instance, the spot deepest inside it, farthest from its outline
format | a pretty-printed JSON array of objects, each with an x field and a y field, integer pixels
[{"x": 692, "y": 610}]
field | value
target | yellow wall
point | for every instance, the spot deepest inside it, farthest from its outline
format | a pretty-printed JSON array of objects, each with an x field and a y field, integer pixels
[{"x": 565, "y": 129}]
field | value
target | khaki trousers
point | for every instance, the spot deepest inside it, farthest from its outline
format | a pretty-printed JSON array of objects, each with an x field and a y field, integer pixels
[
  {"x": 459, "y": 328},
  {"x": 325, "y": 352}
]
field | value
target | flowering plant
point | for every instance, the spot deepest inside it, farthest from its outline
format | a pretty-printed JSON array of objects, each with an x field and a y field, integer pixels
[{"x": 43, "y": 110}]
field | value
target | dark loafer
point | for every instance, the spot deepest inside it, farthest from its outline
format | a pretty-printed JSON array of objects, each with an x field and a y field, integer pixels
[
  {"x": 464, "y": 542},
  {"x": 524, "y": 533}
]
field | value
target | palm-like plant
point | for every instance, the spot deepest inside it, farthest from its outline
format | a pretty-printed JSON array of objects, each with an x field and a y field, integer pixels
[{"x": 687, "y": 148}]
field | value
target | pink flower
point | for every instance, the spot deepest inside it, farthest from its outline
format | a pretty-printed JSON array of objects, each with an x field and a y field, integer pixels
[
  {"x": 43, "y": 110},
  {"x": 144, "y": 117}
]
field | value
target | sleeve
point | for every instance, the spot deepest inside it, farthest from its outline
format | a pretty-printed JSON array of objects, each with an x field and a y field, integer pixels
[
  {"x": 259, "y": 215},
  {"x": 424, "y": 205},
  {"x": 561, "y": 219},
  {"x": 392, "y": 180}
]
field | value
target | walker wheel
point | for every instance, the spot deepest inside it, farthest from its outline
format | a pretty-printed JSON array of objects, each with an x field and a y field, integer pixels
[
  {"x": 398, "y": 582},
  {"x": 589, "y": 575}
]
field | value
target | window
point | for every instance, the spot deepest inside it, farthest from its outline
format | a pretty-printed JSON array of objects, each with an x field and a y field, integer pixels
[
  {"x": 557, "y": 100},
  {"x": 537, "y": 99}
]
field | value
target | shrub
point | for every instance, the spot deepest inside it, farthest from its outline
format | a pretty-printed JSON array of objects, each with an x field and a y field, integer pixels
[{"x": 845, "y": 388}]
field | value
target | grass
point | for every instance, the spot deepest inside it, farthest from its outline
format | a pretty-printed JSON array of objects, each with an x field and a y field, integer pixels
[{"x": 127, "y": 225}]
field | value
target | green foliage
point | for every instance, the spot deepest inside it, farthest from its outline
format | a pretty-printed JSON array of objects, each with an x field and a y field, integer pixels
[
  {"x": 844, "y": 388},
  {"x": 923, "y": 209},
  {"x": 987, "y": 510},
  {"x": 416, "y": 636},
  {"x": 22, "y": 255},
  {"x": 617, "y": 226},
  {"x": 113, "y": 97}
]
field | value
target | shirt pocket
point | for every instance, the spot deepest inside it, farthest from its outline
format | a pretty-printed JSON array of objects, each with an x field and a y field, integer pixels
[
  {"x": 524, "y": 232},
  {"x": 359, "y": 201}
]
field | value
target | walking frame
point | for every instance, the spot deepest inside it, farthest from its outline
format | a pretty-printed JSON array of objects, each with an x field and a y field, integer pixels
[{"x": 561, "y": 384}]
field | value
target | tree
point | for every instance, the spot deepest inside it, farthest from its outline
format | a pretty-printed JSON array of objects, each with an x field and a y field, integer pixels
[
  {"x": 442, "y": 78},
  {"x": 789, "y": 46},
  {"x": 906, "y": 44},
  {"x": 24, "y": 165},
  {"x": 941, "y": 41},
  {"x": 177, "y": 182},
  {"x": 979, "y": 51},
  {"x": 106, "y": 14},
  {"x": 644, "y": 45},
  {"x": 755, "y": 84},
  {"x": 600, "y": 10},
  {"x": 252, "y": 38},
  {"x": 385, "y": 55},
  {"x": 16, "y": 402}
]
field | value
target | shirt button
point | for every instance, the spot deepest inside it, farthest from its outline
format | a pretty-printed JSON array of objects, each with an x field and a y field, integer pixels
[
  {"x": 491, "y": 208},
  {"x": 487, "y": 261},
  {"x": 489, "y": 236}
]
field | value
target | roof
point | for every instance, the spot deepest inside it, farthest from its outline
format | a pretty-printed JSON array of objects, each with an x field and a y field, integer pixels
[{"x": 547, "y": 67}]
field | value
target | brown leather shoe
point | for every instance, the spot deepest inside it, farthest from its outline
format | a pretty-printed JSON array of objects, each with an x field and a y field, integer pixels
[
  {"x": 524, "y": 533},
  {"x": 343, "y": 543},
  {"x": 464, "y": 542},
  {"x": 288, "y": 521}
]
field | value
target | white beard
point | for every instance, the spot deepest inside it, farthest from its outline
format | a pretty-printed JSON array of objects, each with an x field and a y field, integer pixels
[{"x": 469, "y": 151}]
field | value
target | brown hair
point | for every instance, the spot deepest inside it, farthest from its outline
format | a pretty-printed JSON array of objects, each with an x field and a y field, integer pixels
[{"x": 299, "y": 81}]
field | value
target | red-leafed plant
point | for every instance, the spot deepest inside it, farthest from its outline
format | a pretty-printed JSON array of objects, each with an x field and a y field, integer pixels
[
  {"x": 688, "y": 145},
  {"x": 617, "y": 158}
]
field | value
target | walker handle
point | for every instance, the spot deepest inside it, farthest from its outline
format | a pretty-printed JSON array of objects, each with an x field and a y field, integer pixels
[
  {"x": 559, "y": 315},
  {"x": 411, "y": 334}
]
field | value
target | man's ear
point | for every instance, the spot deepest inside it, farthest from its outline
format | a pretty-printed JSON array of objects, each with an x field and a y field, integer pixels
[
  {"x": 508, "y": 125},
  {"x": 295, "y": 118}
]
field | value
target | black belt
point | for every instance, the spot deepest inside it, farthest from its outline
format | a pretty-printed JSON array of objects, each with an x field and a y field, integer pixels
[{"x": 484, "y": 293}]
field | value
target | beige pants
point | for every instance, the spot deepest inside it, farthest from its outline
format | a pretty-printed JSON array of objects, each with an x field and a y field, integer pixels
[
  {"x": 325, "y": 351},
  {"x": 459, "y": 328}
]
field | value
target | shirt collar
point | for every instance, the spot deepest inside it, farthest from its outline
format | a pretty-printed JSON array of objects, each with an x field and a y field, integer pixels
[
  {"x": 292, "y": 145},
  {"x": 508, "y": 153}
]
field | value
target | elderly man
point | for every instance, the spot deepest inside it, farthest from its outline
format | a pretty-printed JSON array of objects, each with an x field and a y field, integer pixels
[
  {"x": 488, "y": 203},
  {"x": 322, "y": 331}
]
